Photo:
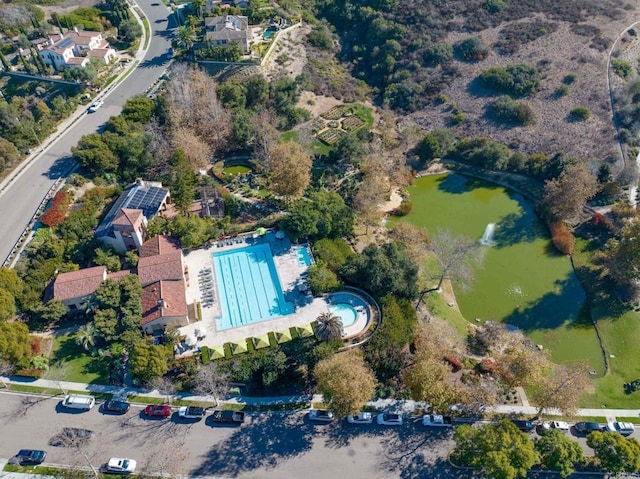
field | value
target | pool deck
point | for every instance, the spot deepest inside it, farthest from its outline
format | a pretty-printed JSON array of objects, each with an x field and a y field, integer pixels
[{"x": 291, "y": 274}]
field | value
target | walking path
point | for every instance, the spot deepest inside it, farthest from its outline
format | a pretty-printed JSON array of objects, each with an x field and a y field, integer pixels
[{"x": 406, "y": 406}]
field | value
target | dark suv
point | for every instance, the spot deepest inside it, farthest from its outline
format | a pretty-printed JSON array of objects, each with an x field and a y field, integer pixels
[
  {"x": 587, "y": 427},
  {"x": 523, "y": 425}
]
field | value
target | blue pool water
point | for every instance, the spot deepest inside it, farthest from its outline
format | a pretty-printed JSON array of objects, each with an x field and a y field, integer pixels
[
  {"x": 248, "y": 287},
  {"x": 268, "y": 33},
  {"x": 345, "y": 312},
  {"x": 304, "y": 257}
]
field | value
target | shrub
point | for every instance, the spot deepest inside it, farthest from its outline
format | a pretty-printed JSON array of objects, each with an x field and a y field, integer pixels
[
  {"x": 30, "y": 373},
  {"x": 454, "y": 362},
  {"x": 58, "y": 209},
  {"x": 40, "y": 362},
  {"x": 622, "y": 68},
  {"x": 206, "y": 354},
  {"x": 428, "y": 148},
  {"x": 458, "y": 117},
  {"x": 439, "y": 53},
  {"x": 562, "y": 90},
  {"x": 562, "y": 237},
  {"x": 404, "y": 209},
  {"x": 36, "y": 345},
  {"x": 471, "y": 49},
  {"x": 519, "y": 79},
  {"x": 580, "y": 113},
  {"x": 507, "y": 110},
  {"x": 319, "y": 37},
  {"x": 494, "y": 6},
  {"x": 487, "y": 365}
]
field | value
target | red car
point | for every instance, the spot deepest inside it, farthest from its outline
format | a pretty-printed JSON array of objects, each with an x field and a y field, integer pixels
[{"x": 158, "y": 410}]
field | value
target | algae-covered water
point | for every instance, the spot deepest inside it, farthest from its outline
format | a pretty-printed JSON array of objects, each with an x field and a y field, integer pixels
[{"x": 523, "y": 280}]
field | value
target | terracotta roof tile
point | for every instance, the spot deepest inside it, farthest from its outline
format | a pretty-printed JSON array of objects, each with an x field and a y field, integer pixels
[
  {"x": 77, "y": 284},
  {"x": 160, "y": 259},
  {"x": 128, "y": 217},
  {"x": 163, "y": 299}
]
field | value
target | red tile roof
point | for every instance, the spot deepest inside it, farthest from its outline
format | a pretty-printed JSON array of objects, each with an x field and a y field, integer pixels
[
  {"x": 77, "y": 284},
  {"x": 163, "y": 299},
  {"x": 128, "y": 217},
  {"x": 160, "y": 259},
  {"x": 118, "y": 275}
]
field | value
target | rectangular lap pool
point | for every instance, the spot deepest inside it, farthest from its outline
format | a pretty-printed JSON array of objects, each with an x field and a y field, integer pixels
[{"x": 248, "y": 287}]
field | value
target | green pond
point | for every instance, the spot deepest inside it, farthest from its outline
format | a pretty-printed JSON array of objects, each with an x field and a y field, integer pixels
[
  {"x": 236, "y": 170},
  {"x": 523, "y": 281}
]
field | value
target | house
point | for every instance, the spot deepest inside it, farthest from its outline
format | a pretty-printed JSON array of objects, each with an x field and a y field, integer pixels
[
  {"x": 211, "y": 4},
  {"x": 162, "y": 274},
  {"x": 228, "y": 29},
  {"x": 75, "y": 289},
  {"x": 124, "y": 228},
  {"x": 75, "y": 48}
]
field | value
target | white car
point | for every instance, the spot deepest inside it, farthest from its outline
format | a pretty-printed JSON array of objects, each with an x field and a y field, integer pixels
[
  {"x": 389, "y": 419},
  {"x": 561, "y": 425},
  {"x": 119, "y": 465},
  {"x": 624, "y": 428},
  {"x": 320, "y": 415},
  {"x": 360, "y": 418},
  {"x": 96, "y": 104},
  {"x": 436, "y": 420}
]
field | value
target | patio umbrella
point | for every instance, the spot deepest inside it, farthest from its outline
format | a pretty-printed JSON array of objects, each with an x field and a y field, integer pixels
[
  {"x": 217, "y": 352},
  {"x": 190, "y": 341},
  {"x": 305, "y": 331},
  {"x": 261, "y": 341},
  {"x": 280, "y": 235},
  {"x": 283, "y": 336},
  {"x": 261, "y": 231},
  {"x": 239, "y": 347}
]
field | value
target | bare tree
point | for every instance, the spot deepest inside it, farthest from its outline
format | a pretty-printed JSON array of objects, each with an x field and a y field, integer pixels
[
  {"x": 562, "y": 388},
  {"x": 457, "y": 258},
  {"x": 6, "y": 369},
  {"x": 290, "y": 169},
  {"x": 164, "y": 386},
  {"x": 211, "y": 380},
  {"x": 58, "y": 373},
  {"x": 161, "y": 464},
  {"x": 159, "y": 145},
  {"x": 197, "y": 151},
  {"x": 566, "y": 195},
  {"x": 265, "y": 134},
  {"x": 437, "y": 339}
]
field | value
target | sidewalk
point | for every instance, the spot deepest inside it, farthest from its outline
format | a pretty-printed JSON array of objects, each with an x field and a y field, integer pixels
[{"x": 405, "y": 406}]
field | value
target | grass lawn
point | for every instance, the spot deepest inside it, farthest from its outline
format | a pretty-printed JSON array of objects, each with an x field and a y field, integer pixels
[
  {"x": 74, "y": 363},
  {"x": 620, "y": 331}
]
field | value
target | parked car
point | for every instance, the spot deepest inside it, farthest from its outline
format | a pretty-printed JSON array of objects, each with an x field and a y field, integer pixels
[
  {"x": 78, "y": 401},
  {"x": 320, "y": 415},
  {"x": 549, "y": 425},
  {"x": 523, "y": 425},
  {"x": 233, "y": 417},
  {"x": 584, "y": 427},
  {"x": 436, "y": 420},
  {"x": 95, "y": 105},
  {"x": 389, "y": 419},
  {"x": 119, "y": 465},
  {"x": 191, "y": 412},
  {"x": 115, "y": 406},
  {"x": 158, "y": 410},
  {"x": 624, "y": 428},
  {"x": 360, "y": 418},
  {"x": 30, "y": 456}
]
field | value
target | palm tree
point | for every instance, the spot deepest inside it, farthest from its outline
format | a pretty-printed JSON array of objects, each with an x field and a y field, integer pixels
[
  {"x": 186, "y": 38},
  {"x": 86, "y": 336},
  {"x": 328, "y": 327}
]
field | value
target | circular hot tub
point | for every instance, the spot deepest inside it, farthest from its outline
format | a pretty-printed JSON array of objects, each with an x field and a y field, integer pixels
[{"x": 352, "y": 309}]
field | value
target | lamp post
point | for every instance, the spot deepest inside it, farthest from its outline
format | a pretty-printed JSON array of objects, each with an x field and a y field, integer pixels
[{"x": 33, "y": 130}]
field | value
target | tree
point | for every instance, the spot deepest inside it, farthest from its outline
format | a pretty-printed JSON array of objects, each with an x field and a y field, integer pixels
[
  {"x": 521, "y": 363},
  {"x": 130, "y": 30},
  {"x": 615, "y": 452},
  {"x": 86, "y": 336},
  {"x": 428, "y": 148},
  {"x": 345, "y": 381},
  {"x": 289, "y": 169},
  {"x": 147, "y": 361},
  {"x": 186, "y": 38},
  {"x": 15, "y": 343},
  {"x": 211, "y": 380},
  {"x": 183, "y": 183},
  {"x": 558, "y": 452},
  {"x": 323, "y": 215},
  {"x": 165, "y": 386},
  {"x": 566, "y": 196},
  {"x": 195, "y": 148},
  {"x": 9, "y": 154},
  {"x": 7, "y": 305},
  {"x": 382, "y": 270},
  {"x": 457, "y": 258},
  {"x": 329, "y": 327},
  {"x": 497, "y": 450},
  {"x": 94, "y": 155},
  {"x": 622, "y": 257},
  {"x": 426, "y": 380},
  {"x": 561, "y": 388},
  {"x": 321, "y": 279},
  {"x": 106, "y": 257}
]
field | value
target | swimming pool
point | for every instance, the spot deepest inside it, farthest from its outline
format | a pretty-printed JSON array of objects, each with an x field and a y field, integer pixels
[
  {"x": 304, "y": 257},
  {"x": 248, "y": 287},
  {"x": 345, "y": 312}
]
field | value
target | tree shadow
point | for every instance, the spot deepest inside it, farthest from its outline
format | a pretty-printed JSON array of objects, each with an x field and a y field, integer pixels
[
  {"x": 515, "y": 228},
  {"x": 457, "y": 184},
  {"x": 264, "y": 443},
  {"x": 551, "y": 310},
  {"x": 60, "y": 168}
]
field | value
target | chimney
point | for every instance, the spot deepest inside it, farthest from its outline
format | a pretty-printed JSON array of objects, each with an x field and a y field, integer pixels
[{"x": 75, "y": 29}]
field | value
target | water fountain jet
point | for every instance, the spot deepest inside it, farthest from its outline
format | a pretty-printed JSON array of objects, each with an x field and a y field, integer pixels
[{"x": 487, "y": 237}]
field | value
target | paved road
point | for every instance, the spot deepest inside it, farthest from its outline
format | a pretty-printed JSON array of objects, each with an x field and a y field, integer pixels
[
  {"x": 20, "y": 200},
  {"x": 276, "y": 446}
]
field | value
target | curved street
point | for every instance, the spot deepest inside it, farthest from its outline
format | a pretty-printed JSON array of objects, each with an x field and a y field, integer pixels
[{"x": 21, "y": 198}]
